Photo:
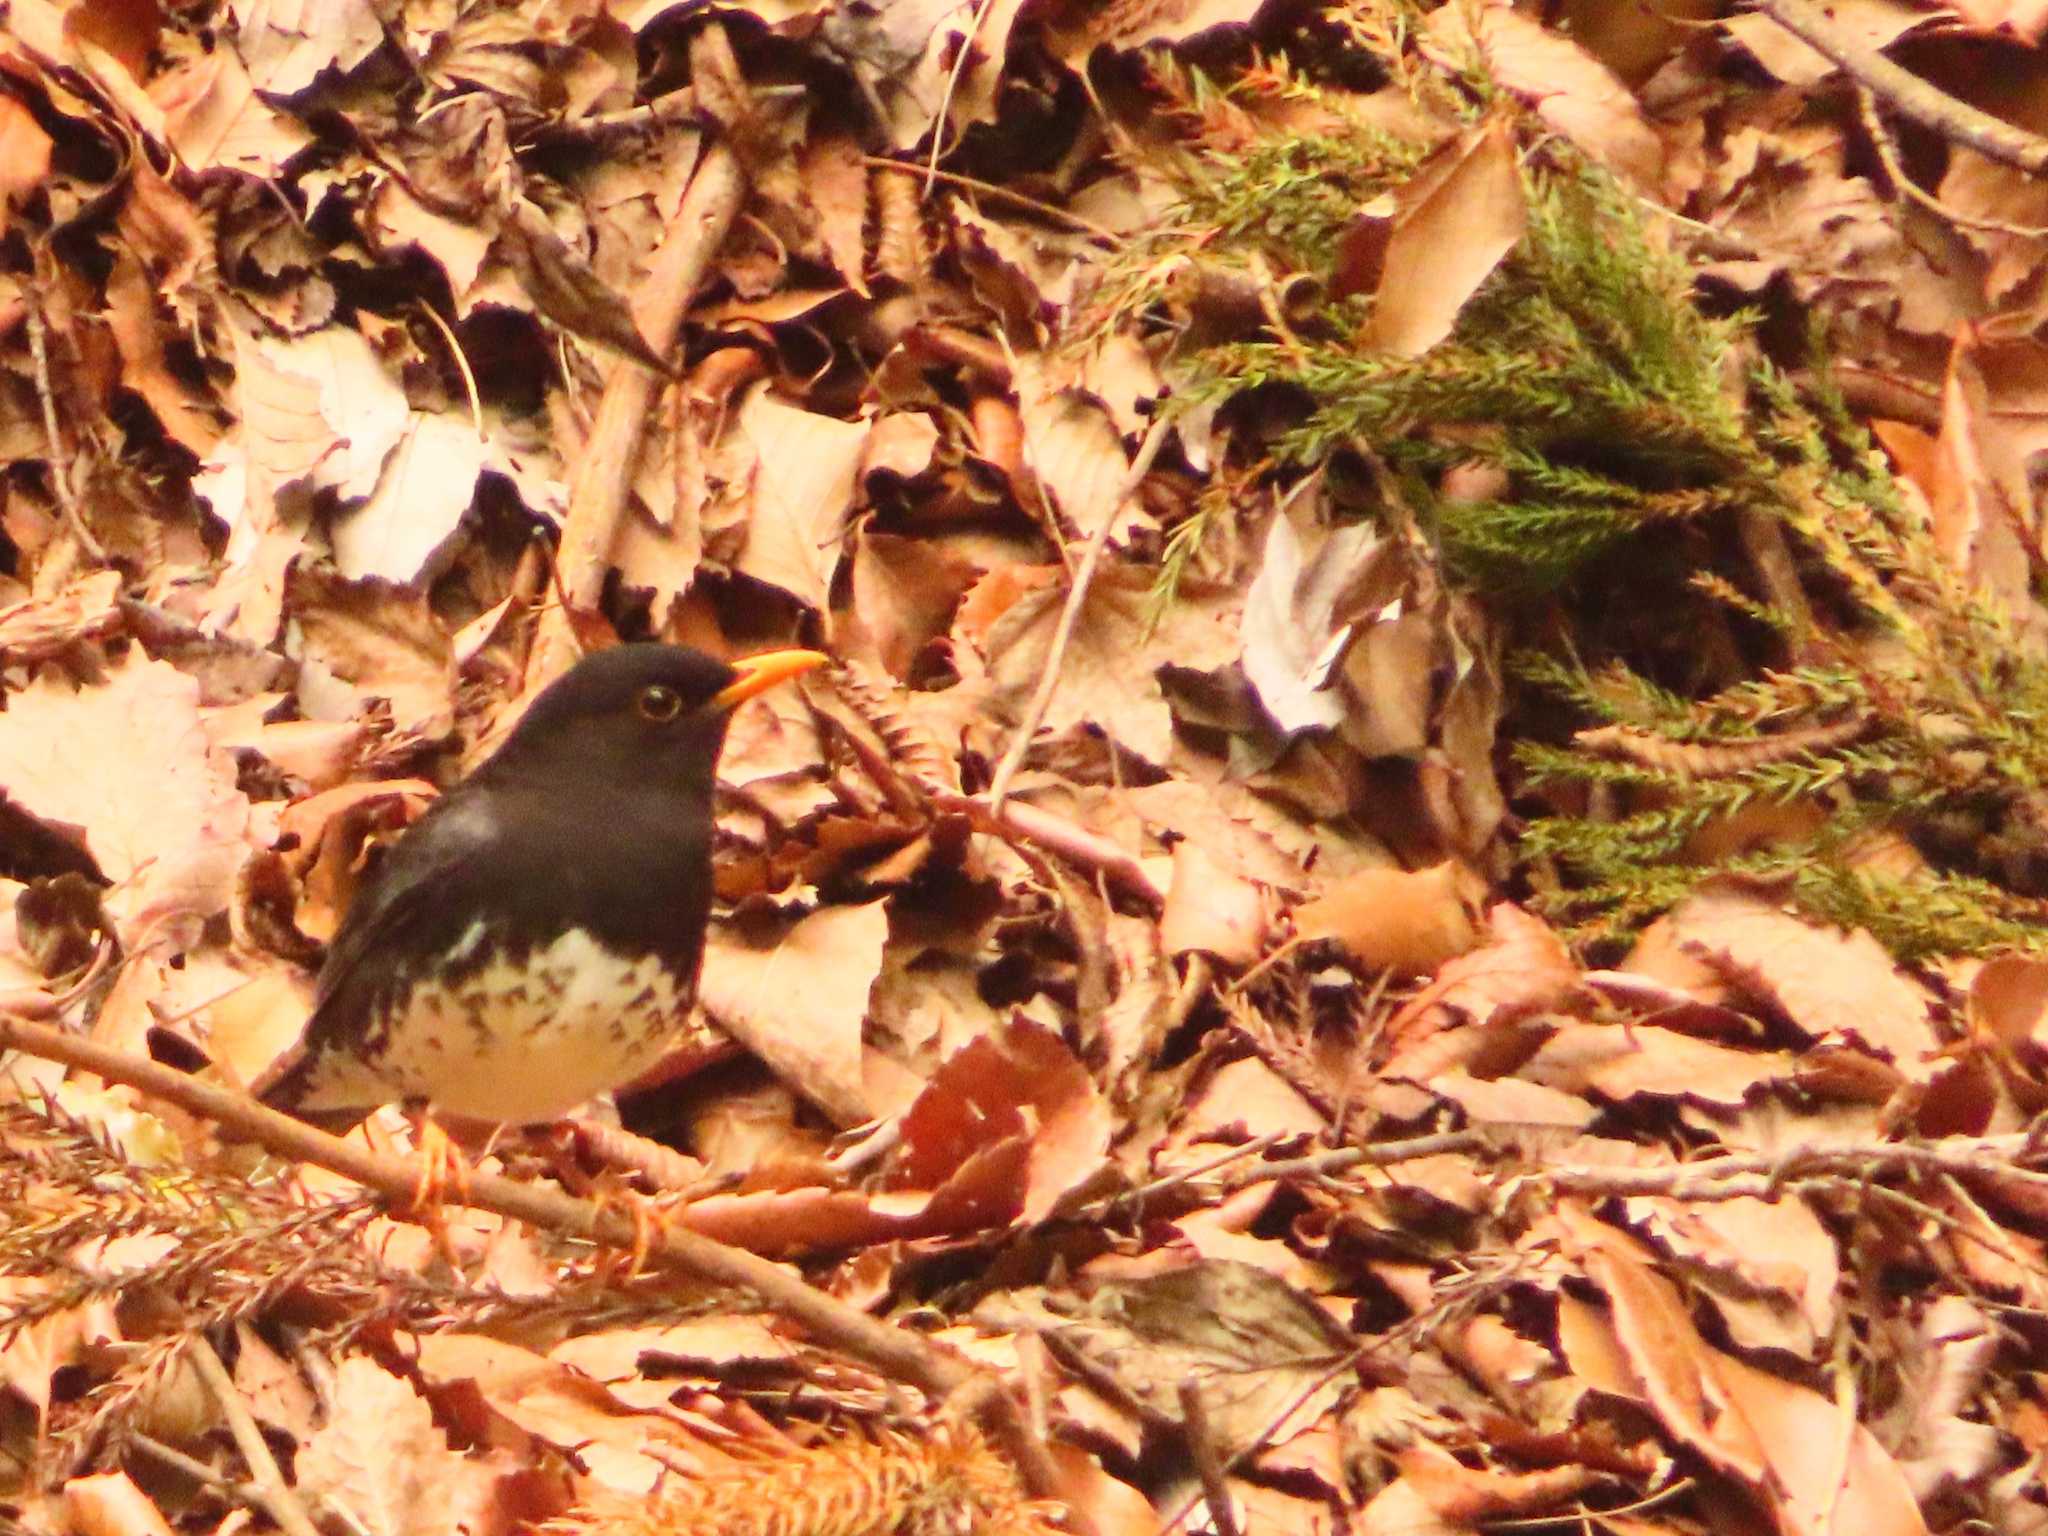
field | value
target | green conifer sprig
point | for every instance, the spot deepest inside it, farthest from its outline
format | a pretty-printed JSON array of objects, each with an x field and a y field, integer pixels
[{"x": 1883, "y": 702}]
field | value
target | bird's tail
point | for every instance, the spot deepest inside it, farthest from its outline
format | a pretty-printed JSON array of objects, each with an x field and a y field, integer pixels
[{"x": 286, "y": 1083}]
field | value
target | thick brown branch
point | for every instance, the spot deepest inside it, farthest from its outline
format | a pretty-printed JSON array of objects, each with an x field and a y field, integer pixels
[
  {"x": 895, "y": 1352},
  {"x": 1906, "y": 93}
]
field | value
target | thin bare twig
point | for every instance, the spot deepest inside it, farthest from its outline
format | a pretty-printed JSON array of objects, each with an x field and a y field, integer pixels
[
  {"x": 246, "y": 1494},
  {"x": 1194, "y": 1415},
  {"x": 476, "y": 404},
  {"x": 1888, "y": 152},
  {"x": 1906, "y": 93},
  {"x": 279, "y": 1501},
  {"x": 1130, "y": 1203},
  {"x": 1712, "y": 1178},
  {"x": 989, "y": 189},
  {"x": 1026, "y": 823},
  {"x": 611, "y": 453},
  {"x": 1063, "y": 633},
  {"x": 60, "y": 463},
  {"x": 895, "y": 1352},
  {"x": 953, "y": 76}
]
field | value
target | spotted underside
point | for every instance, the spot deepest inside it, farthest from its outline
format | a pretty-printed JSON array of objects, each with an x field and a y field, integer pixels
[{"x": 511, "y": 1036}]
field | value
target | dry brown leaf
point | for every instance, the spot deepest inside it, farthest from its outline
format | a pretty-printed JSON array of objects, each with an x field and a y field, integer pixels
[
  {"x": 403, "y": 531},
  {"x": 1261, "y": 1352},
  {"x": 800, "y": 474},
  {"x": 1620, "y": 1060},
  {"x": 1523, "y": 969},
  {"x": 621, "y": 1448},
  {"x": 384, "y": 1460},
  {"x": 1873, "y": 23},
  {"x": 188, "y": 414},
  {"x": 396, "y": 221},
  {"x": 127, "y": 767},
  {"x": 1512, "y": 1100},
  {"x": 1814, "y": 1465},
  {"x": 286, "y": 50},
  {"x": 2008, "y": 1001},
  {"x": 1572, "y": 91},
  {"x": 1234, "y": 830},
  {"x": 1834, "y": 985},
  {"x": 24, "y": 150},
  {"x": 36, "y": 1350},
  {"x": 1992, "y": 436},
  {"x": 1242, "y": 1101},
  {"x": 1209, "y": 908},
  {"x": 89, "y": 608},
  {"x": 214, "y": 119},
  {"x": 1406, "y": 921},
  {"x": 905, "y": 592},
  {"x": 1986, "y": 190},
  {"x": 1077, "y": 456},
  {"x": 1138, "y": 26},
  {"x": 111, "y": 1505},
  {"x": 1770, "y": 1267},
  {"x": 986, "y": 1190},
  {"x": 1309, "y": 593},
  {"x": 1975, "y": 526},
  {"x": 1451, "y": 225},
  {"x": 1022, "y": 1081},
  {"x": 1105, "y": 678},
  {"x": 797, "y": 1000}
]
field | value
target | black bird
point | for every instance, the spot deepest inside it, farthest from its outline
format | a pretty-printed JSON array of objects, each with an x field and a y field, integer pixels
[{"x": 534, "y": 939}]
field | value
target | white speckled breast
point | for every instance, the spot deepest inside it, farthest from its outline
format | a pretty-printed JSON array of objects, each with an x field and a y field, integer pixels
[{"x": 517, "y": 1043}]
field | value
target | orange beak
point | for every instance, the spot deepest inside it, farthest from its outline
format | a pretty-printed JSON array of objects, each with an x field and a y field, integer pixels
[{"x": 759, "y": 673}]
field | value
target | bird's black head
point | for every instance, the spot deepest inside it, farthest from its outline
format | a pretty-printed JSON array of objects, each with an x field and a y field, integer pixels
[{"x": 659, "y": 708}]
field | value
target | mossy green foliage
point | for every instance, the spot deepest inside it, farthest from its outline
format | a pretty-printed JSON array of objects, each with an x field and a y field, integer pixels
[{"x": 1614, "y": 408}]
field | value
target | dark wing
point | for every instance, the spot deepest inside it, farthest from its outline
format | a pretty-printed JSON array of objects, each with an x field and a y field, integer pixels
[{"x": 411, "y": 905}]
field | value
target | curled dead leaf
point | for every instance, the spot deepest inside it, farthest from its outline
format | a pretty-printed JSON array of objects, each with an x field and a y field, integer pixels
[{"x": 1406, "y": 921}]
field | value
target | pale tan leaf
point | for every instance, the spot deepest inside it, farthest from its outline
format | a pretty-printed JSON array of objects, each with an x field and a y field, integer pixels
[
  {"x": 1407, "y": 921},
  {"x": 395, "y": 220},
  {"x": 1940, "y": 1443},
  {"x": 319, "y": 408},
  {"x": 1833, "y": 984},
  {"x": 1241, "y": 1102},
  {"x": 1106, "y": 676},
  {"x": 1078, "y": 456},
  {"x": 287, "y": 43},
  {"x": 215, "y": 119},
  {"x": 1452, "y": 223},
  {"x": 802, "y": 493},
  {"x": 383, "y": 1458},
  {"x": 128, "y": 765},
  {"x": 1573, "y": 92},
  {"x": 1621, "y": 1061},
  {"x": 1209, "y": 908},
  {"x": 797, "y": 1000},
  {"x": 413, "y": 515},
  {"x": 1770, "y": 1266},
  {"x": 836, "y": 182},
  {"x": 1311, "y": 587},
  {"x": 111, "y": 1505}
]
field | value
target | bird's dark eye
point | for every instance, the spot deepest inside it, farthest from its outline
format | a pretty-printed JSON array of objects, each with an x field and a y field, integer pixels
[{"x": 659, "y": 702}]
